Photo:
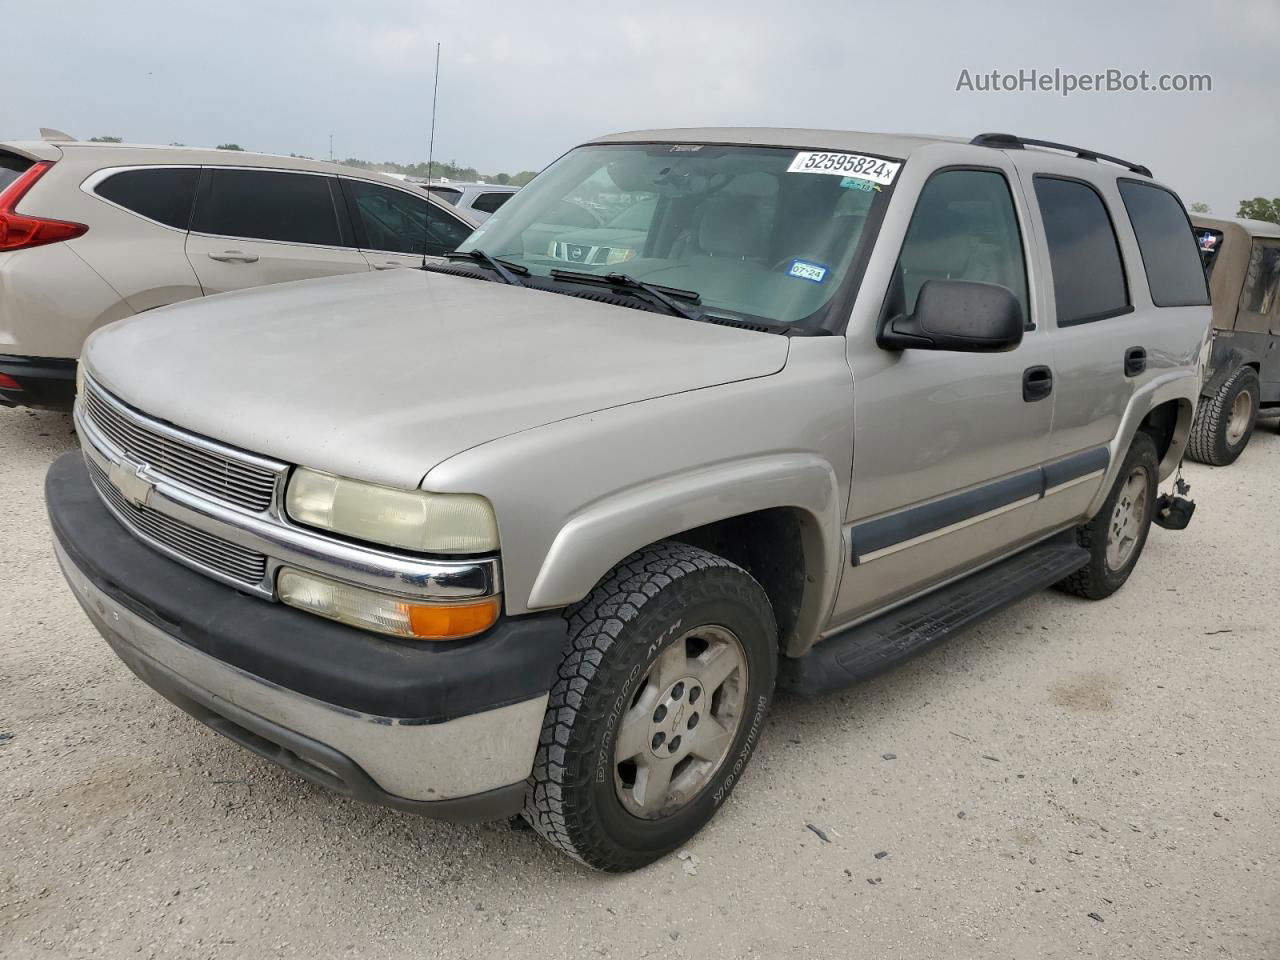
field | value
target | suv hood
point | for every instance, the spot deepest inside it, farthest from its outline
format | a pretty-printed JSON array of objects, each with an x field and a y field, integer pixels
[{"x": 382, "y": 376}]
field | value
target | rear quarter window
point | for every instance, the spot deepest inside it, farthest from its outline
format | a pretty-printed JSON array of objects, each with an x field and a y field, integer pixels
[
  {"x": 162, "y": 194},
  {"x": 1170, "y": 256},
  {"x": 1088, "y": 274}
]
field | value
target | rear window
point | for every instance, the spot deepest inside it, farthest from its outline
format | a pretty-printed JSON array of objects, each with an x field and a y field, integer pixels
[
  {"x": 269, "y": 205},
  {"x": 12, "y": 167},
  {"x": 489, "y": 202},
  {"x": 1088, "y": 274},
  {"x": 163, "y": 194},
  {"x": 1168, "y": 245},
  {"x": 447, "y": 195}
]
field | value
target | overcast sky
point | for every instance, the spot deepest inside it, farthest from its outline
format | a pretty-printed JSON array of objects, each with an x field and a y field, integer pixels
[{"x": 523, "y": 81}]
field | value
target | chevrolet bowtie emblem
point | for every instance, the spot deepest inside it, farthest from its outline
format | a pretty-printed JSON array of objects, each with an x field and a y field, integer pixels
[{"x": 128, "y": 479}]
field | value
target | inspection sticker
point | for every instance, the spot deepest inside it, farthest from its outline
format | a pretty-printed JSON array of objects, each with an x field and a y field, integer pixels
[
  {"x": 845, "y": 165},
  {"x": 804, "y": 270}
]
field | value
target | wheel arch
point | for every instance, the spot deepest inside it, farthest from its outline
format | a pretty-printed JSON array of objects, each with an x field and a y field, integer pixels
[
  {"x": 1164, "y": 408},
  {"x": 1169, "y": 425},
  {"x": 767, "y": 515}
]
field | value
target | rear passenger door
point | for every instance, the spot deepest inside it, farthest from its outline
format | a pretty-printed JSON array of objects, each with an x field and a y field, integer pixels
[
  {"x": 1129, "y": 304},
  {"x": 253, "y": 227},
  {"x": 396, "y": 228}
]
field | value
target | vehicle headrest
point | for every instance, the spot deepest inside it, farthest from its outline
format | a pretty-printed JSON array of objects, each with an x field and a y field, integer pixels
[{"x": 733, "y": 227}]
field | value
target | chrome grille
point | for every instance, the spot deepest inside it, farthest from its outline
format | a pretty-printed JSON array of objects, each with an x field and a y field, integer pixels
[
  {"x": 221, "y": 556},
  {"x": 237, "y": 482}
]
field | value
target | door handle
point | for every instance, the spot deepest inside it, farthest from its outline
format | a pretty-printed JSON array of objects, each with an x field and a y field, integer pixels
[
  {"x": 1037, "y": 383},
  {"x": 234, "y": 256},
  {"x": 1135, "y": 361}
]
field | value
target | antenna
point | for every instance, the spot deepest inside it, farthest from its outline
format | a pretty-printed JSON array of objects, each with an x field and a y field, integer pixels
[
  {"x": 331, "y": 148},
  {"x": 431, "y": 151}
]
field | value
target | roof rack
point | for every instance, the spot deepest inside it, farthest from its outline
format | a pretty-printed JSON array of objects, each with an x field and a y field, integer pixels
[{"x": 1008, "y": 141}]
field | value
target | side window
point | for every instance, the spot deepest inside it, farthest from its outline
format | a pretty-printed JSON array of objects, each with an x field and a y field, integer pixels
[
  {"x": 964, "y": 227},
  {"x": 269, "y": 205},
  {"x": 1168, "y": 245},
  {"x": 1210, "y": 242},
  {"x": 490, "y": 202},
  {"x": 1262, "y": 279},
  {"x": 1088, "y": 275},
  {"x": 163, "y": 194},
  {"x": 398, "y": 222}
]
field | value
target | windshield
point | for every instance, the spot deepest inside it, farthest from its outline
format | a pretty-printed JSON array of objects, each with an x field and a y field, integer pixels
[{"x": 732, "y": 224}]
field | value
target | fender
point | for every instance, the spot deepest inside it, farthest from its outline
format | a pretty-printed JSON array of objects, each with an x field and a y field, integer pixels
[
  {"x": 1180, "y": 385},
  {"x": 607, "y": 530},
  {"x": 1231, "y": 350}
]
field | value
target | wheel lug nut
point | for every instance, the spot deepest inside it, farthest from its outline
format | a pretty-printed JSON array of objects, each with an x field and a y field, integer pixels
[
  {"x": 693, "y": 720},
  {"x": 659, "y": 713},
  {"x": 677, "y": 691},
  {"x": 694, "y": 694},
  {"x": 659, "y": 739},
  {"x": 675, "y": 743}
]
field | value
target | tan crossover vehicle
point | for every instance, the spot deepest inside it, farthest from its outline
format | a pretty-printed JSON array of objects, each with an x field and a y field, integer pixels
[
  {"x": 537, "y": 539},
  {"x": 92, "y": 232},
  {"x": 1242, "y": 382}
]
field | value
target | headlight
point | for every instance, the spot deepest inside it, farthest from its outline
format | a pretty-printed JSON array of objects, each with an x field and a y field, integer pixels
[
  {"x": 412, "y": 519},
  {"x": 620, "y": 255},
  {"x": 397, "y": 616}
]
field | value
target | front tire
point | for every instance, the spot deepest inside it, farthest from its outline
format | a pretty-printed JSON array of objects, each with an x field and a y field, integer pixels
[
  {"x": 656, "y": 709},
  {"x": 1118, "y": 532},
  {"x": 1224, "y": 422}
]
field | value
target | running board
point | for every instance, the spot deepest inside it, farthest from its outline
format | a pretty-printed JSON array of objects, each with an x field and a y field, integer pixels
[{"x": 870, "y": 648}]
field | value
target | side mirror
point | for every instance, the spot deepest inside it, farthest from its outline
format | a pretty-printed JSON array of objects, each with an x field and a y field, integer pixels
[{"x": 960, "y": 315}]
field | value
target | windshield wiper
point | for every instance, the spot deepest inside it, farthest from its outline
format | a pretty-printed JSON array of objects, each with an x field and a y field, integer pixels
[
  {"x": 623, "y": 281},
  {"x": 503, "y": 268}
]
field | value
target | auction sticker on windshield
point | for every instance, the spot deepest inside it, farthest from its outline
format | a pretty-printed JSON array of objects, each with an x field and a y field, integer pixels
[{"x": 846, "y": 165}]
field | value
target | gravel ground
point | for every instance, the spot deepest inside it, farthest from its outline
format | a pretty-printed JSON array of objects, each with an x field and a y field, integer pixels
[{"x": 1068, "y": 780}]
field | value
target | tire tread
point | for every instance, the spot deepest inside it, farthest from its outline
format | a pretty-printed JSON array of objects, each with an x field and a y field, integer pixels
[{"x": 596, "y": 623}]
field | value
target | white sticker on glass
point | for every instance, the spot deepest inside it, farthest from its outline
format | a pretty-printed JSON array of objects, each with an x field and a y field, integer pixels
[{"x": 846, "y": 165}]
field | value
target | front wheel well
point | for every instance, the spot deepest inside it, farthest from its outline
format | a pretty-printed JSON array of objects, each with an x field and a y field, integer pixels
[{"x": 776, "y": 547}]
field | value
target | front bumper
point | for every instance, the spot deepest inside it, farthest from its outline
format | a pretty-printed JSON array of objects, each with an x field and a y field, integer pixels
[
  {"x": 42, "y": 382},
  {"x": 448, "y": 730}
]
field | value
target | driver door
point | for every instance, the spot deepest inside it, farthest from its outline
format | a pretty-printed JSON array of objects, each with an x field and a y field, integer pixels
[{"x": 947, "y": 445}]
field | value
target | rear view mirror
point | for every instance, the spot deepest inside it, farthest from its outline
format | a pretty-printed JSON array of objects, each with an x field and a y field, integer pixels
[{"x": 960, "y": 315}]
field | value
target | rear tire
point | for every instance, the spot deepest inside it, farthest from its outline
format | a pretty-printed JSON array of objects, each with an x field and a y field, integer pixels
[
  {"x": 1118, "y": 532},
  {"x": 1224, "y": 422},
  {"x": 656, "y": 709}
]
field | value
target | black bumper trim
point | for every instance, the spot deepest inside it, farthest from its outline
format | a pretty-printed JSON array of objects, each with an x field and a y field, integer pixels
[
  {"x": 45, "y": 382},
  {"x": 306, "y": 757},
  {"x": 416, "y": 682}
]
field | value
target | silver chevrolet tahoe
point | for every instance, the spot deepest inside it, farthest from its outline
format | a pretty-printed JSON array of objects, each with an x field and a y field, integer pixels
[{"x": 519, "y": 533}]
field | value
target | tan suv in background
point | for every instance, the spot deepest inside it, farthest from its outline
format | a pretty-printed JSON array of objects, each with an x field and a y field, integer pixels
[{"x": 93, "y": 232}]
